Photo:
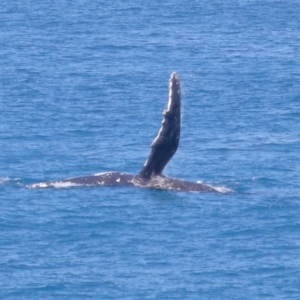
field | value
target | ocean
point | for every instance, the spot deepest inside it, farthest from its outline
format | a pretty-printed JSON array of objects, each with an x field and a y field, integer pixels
[{"x": 83, "y": 85}]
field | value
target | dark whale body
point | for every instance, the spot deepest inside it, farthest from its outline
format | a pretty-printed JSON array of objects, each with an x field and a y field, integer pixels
[{"x": 164, "y": 147}]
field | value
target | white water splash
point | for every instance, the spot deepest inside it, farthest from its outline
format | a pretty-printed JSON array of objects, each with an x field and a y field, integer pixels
[
  {"x": 3, "y": 180},
  {"x": 58, "y": 184},
  {"x": 10, "y": 181},
  {"x": 220, "y": 189}
]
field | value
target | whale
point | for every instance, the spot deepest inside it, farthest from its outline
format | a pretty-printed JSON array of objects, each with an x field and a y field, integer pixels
[{"x": 163, "y": 148}]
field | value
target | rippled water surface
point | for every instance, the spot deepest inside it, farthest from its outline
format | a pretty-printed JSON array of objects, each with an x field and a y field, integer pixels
[{"x": 82, "y": 88}]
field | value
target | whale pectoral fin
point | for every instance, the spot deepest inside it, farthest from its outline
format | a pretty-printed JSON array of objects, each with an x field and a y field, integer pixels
[{"x": 166, "y": 143}]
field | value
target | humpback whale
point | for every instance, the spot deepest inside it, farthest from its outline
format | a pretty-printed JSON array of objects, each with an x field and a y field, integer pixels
[{"x": 163, "y": 148}]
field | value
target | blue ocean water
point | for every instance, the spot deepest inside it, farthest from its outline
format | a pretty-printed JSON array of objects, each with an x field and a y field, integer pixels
[{"x": 82, "y": 88}]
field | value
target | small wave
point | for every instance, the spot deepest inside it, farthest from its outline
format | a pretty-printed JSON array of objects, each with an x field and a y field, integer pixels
[{"x": 101, "y": 173}]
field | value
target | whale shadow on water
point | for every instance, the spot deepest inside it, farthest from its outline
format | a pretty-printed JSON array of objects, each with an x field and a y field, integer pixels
[{"x": 164, "y": 147}]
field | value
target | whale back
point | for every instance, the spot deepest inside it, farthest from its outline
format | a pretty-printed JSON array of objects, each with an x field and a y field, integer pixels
[{"x": 166, "y": 143}]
